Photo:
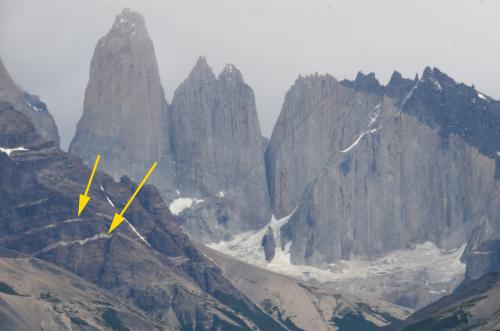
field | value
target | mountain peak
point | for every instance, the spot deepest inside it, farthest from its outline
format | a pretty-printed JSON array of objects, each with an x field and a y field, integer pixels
[
  {"x": 398, "y": 85},
  {"x": 231, "y": 73},
  {"x": 201, "y": 70},
  {"x": 364, "y": 83},
  {"x": 129, "y": 18}
]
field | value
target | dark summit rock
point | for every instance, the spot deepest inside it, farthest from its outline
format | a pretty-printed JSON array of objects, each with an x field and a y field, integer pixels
[
  {"x": 364, "y": 83},
  {"x": 398, "y": 87},
  {"x": 28, "y": 104},
  {"x": 269, "y": 244},
  {"x": 35, "y": 102}
]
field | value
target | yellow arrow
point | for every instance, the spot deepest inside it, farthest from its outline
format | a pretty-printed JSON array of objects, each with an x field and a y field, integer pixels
[
  {"x": 118, "y": 218},
  {"x": 84, "y": 198}
]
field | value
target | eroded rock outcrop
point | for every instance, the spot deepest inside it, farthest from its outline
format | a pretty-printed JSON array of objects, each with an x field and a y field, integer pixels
[{"x": 28, "y": 104}]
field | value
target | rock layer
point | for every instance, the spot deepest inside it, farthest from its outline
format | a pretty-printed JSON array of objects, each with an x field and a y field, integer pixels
[{"x": 147, "y": 261}]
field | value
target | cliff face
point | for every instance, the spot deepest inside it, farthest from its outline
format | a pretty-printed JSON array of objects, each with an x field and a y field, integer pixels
[
  {"x": 124, "y": 112},
  {"x": 208, "y": 143},
  {"x": 384, "y": 167},
  {"x": 217, "y": 147},
  {"x": 28, "y": 104},
  {"x": 148, "y": 261}
]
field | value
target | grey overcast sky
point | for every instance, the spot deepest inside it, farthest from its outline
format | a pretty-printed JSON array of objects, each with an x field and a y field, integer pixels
[{"x": 47, "y": 45}]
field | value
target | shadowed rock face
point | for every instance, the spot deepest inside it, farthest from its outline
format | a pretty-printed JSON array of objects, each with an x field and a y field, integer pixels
[
  {"x": 269, "y": 244},
  {"x": 158, "y": 271},
  {"x": 124, "y": 112},
  {"x": 374, "y": 169},
  {"x": 217, "y": 145},
  {"x": 29, "y": 105}
]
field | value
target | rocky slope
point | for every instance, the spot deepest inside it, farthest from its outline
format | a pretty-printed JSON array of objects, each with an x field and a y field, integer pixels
[
  {"x": 217, "y": 145},
  {"x": 28, "y": 104},
  {"x": 124, "y": 111},
  {"x": 36, "y": 295},
  {"x": 473, "y": 306},
  {"x": 308, "y": 307},
  {"x": 367, "y": 169},
  {"x": 148, "y": 261}
]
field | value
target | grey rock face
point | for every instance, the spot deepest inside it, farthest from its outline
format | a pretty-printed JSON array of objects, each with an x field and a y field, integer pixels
[
  {"x": 124, "y": 114},
  {"x": 28, "y": 104},
  {"x": 373, "y": 169},
  {"x": 269, "y": 244},
  {"x": 217, "y": 145},
  {"x": 208, "y": 143}
]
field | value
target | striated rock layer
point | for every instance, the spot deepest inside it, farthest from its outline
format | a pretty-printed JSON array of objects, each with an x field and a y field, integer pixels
[
  {"x": 372, "y": 169},
  {"x": 147, "y": 262}
]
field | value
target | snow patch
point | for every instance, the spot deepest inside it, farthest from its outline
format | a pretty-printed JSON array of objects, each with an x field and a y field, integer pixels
[
  {"x": 359, "y": 139},
  {"x": 178, "y": 205},
  {"x": 436, "y": 83},
  {"x": 482, "y": 96},
  {"x": 9, "y": 151},
  {"x": 247, "y": 246},
  {"x": 427, "y": 259},
  {"x": 129, "y": 224},
  {"x": 137, "y": 232}
]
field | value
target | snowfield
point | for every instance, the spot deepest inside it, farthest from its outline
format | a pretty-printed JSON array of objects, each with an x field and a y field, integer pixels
[
  {"x": 178, "y": 205},
  {"x": 9, "y": 151},
  {"x": 431, "y": 269}
]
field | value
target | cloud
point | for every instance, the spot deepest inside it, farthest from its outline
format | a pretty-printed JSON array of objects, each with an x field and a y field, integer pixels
[{"x": 47, "y": 46}]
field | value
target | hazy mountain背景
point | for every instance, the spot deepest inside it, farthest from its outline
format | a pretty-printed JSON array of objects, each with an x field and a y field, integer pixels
[{"x": 368, "y": 202}]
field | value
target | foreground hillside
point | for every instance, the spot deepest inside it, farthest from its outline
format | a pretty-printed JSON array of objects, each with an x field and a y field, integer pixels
[{"x": 148, "y": 261}]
